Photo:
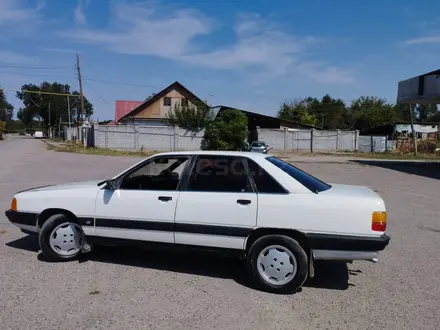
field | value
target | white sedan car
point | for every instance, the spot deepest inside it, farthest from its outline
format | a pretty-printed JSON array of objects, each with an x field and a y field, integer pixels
[{"x": 277, "y": 217}]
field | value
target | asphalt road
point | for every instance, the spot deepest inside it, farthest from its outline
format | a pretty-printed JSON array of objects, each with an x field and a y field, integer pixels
[{"x": 129, "y": 289}]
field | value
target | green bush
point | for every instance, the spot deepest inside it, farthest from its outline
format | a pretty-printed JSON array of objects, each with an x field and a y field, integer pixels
[
  {"x": 2, "y": 129},
  {"x": 227, "y": 132}
]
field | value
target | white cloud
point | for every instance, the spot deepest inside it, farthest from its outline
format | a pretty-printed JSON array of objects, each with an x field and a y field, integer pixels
[
  {"x": 138, "y": 29},
  {"x": 324, "y": 73},
  {"x": 144, "y": 29},
  {"x": 16, "y": 18},
  {"x": 60, "y": 50},
  {"x": 79, "y": 15},
  {"x": 8, "y": 57},
  {"x": 434, "y": 39}
]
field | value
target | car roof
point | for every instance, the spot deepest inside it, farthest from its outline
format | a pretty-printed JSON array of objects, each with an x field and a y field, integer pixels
[{"x": 252, "y": 155}]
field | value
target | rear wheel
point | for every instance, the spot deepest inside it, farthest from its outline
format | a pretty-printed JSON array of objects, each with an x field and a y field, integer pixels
[
  {"x": 277, "y": 264},
  {"x": 61, "y": 239}
]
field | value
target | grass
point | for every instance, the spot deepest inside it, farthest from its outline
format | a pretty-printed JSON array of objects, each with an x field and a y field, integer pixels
[{"x": 79, "y": 149}]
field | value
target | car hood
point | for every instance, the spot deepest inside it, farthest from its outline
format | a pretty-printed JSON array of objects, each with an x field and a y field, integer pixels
[{"x": 65, "y": 186}]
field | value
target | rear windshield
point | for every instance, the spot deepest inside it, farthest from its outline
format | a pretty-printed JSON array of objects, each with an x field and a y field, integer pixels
[
  {"x": 310, "y": 182},
  {"x": 258, "y": 144}
]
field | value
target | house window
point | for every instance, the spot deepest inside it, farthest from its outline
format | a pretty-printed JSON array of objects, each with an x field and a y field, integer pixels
[
  {"x": 167, "y": 101},
  {"x": 184, "y": 102}
]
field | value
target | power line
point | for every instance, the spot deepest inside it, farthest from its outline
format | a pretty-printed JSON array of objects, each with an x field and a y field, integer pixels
[
  {"x": 35, "y": 74},
  {"x": 118, "y": 83},
  {"x": 35, "y": 67},
  {"x": 97, "y": 94}
]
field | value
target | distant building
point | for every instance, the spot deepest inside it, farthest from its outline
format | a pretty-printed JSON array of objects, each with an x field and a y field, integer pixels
[
  {"x": 403, "y": 129},
  {"x": 153, "y": 111}
]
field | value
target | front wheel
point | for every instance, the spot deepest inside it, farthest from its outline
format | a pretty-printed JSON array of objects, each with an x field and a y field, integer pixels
[
  {"x": 61, "y": 239},
  {"x": 277, "y": 264}
]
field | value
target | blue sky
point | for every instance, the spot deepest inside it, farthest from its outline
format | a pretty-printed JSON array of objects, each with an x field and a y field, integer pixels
[{"x": 251, "y": 54}]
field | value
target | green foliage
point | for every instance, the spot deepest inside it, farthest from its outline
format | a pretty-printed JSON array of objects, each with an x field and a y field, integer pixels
[
  {"x": 15, "y": 125},
  {"x": 298, "y": 111},
  {"x": 364, "y": 112},
  {"x": 2, "y": 129},
  {"x": 227, "y": 132},
  {"x": 47, "y": 108},
  {"x": 193, "y": 118},
  {"x": 371, "y": 111},
  {"x": 6, "y": 109}
]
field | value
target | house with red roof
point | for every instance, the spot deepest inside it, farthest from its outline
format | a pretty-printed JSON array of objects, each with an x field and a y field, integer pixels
[{"x": 152, "y": 111}]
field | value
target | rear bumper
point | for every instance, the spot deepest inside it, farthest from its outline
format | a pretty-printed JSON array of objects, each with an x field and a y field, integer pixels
[
  {"x": 27, "y": 222},
  {"x": 347, "y": 248}
]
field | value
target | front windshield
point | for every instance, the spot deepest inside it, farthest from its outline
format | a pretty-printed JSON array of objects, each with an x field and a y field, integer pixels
[{"x": 310, "y": 182}]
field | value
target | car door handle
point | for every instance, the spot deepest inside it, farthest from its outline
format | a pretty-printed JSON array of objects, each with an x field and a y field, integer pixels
[
  {"x": 165, "y": 198},
  {"x": 243, "y": 201}
]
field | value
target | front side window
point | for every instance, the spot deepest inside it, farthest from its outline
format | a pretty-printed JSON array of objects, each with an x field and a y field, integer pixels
[
  {"x": 158, "y": 174},
  {"x": 310, "y": 182},
  {"x": 219, "y": 174}
]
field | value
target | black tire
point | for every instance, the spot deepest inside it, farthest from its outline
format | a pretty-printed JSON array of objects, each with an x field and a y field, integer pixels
[
  {"x": 44, "y": 239},
  {"x": 294, "y": 247}
]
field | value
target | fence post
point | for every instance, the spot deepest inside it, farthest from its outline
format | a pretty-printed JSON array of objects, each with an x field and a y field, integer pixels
[
  {"x": 356, "y": 140},
  {"x": 311, "y": 139},
  {"x": 338, "y": 139},
  {"x": 285, "y": 138},
  {"x": 371, "y": 143},
  {"x": 106, "y": 137},
  {"x": 175, "y": 139},
  {"x": 136, "y": 137}
]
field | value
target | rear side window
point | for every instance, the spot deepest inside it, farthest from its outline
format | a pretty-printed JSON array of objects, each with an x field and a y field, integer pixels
[
  {"x": 310, "y": 182},
  {"x": 264, "y": 182}
]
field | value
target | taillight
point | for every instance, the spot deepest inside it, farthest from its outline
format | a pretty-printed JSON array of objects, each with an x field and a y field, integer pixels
[
  {"x": 14, "y": 204},
  {"x": 379, "y": 221}
]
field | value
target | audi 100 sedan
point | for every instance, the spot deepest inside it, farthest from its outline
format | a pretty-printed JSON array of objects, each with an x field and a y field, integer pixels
[{"x": 277, "y": 217}]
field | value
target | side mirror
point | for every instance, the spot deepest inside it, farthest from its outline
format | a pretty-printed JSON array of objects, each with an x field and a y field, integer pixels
[{"x": 111, "y": 185}]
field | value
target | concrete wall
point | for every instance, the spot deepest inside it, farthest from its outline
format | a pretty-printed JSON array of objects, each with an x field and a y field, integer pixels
[
  {"x": 129, "y": 137},
  {"x": 376, "y": 144},
  {"x": 310, "y": 140},
  {"x": 166, "y": 138}
]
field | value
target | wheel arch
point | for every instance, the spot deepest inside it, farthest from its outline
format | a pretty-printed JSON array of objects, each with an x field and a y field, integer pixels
[
  {"x": 295, "y": 234},
  {"x": 47, "y": 213}
]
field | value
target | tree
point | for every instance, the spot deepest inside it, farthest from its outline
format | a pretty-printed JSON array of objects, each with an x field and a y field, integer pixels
[
  {"x": 48, "y": 108},
  {"x": 6, "y": 109},
  {"x": 371, "y": 111},
  {"x": 298, "y": 111},
  {"x": 228, "y": 132},
  {"x": 2, "y": 128},
  {"x": 193, "y": 118},
  {"x": 424, "y": 112},
  {"x": 330, "y": 113}
]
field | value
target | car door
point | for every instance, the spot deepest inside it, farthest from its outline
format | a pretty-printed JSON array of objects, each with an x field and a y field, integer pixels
[
  {"x": 217, "y": 206},
  {"x": 144, "y": 204}
]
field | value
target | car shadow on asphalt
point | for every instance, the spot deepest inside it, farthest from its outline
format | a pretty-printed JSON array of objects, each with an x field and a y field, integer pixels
[
  {"x": 426, "y": 169},
  {"x": 328, "y": 275}
]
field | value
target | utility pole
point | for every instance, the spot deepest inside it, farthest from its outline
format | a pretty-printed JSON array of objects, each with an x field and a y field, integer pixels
[
  {"x": 412, "y": 129},
  {"x": 78, "y": 68},
  {"x": 68, "y": 108},
  {"x": 49, "y": 123}
]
